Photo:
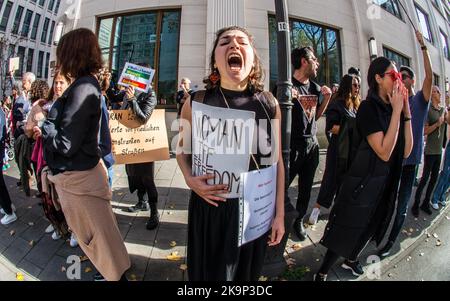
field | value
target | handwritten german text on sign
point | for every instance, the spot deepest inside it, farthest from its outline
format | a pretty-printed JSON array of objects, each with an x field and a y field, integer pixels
[
  {"x": 138, "y": 77},
  {"x": 221, "y": 144},
  {"x": 147, "y": 143}
]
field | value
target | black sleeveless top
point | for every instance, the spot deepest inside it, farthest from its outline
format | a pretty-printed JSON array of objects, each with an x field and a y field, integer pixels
[{"x": 261, "y": 103}]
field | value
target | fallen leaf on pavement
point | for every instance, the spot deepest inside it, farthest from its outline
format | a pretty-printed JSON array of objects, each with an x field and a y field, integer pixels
[
  {"x": 31, "y": 224},
  {"x": 447, "y": 217},
  {"x": 438, "y": 243},
  {"x": 424, "y": 219},
  {"x": 31, "y": 243},
  {"x": 120, "y": 193},
  {"x": 19, "y": 276},
  {"x": 12, "y": 232},
  {"x": 133, "y": 277},
  {"x": 183, "y": 267},
  {"x": 395, "y": 266},
  {"x": 408, "y": 258},
  {"x": 83, "y": 258},
  {"x": 172, "y": 207},
  {"x": 290, "y": 261},
  {"x": 296, "y": 247},
  {"x": 169, "y": 213},
  {"x": 87, "y": 270},
  {"x": 428, "y": 235},
  {"x": 411, "y": 230},
  {"x": 390, "y": 275},
  {"x": 63, "y": 269},
  {"x": 427, "y": 240},
  {"x": 404, "y": 231},
  {"x": 263, "y": 278},
  {"x": 421, "y": 254},
  {"x": 435, "y": 235},
  {"x": 29, "y": 207},
  {"x": 173, "y": 244},
  {"x": 174, "y": 256}
]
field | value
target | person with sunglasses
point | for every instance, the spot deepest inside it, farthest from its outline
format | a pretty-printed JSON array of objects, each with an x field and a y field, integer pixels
[
  {"x": 366, "y": 200},
  {"x": 419, "y": 104}
]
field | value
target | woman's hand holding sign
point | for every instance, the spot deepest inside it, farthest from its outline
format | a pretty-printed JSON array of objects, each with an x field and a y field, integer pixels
[{"x": 207, "y": 192}]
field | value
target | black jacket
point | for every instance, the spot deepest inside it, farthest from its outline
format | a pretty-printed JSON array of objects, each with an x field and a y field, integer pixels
[
  {"x": 70, "y": 133},
  {"x": 366, "y": 200}
]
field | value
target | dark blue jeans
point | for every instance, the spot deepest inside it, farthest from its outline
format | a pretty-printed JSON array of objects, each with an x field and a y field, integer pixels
[
  {"x": 404, "y": 195},
  {"x": 430, "y": 173}
]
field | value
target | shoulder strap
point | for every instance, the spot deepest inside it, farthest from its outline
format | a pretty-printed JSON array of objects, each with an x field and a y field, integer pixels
[
  {"x": 199, "y": 96},
  {"x": 269, "y": 99}
]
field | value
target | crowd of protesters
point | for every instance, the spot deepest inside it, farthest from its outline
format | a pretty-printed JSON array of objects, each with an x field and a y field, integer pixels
[{"x": 61, "y": 138}]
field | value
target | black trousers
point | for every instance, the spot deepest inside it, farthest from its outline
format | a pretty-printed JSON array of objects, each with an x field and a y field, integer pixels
[
  {"x": 303, "y": 162},
  {"x": 431, "y": 173},
  {"x": 5, "y": 200}
]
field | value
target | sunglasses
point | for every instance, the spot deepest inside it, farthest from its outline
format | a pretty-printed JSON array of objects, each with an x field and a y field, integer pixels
[{"x": 394, "y": 75}]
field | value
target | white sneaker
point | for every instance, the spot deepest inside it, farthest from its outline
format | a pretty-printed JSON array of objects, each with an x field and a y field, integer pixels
[
  {"x": 435, "y": 206},
  {"x": 13, "y": 209},
  {"x": 8, "y": 219},
  {"x": 314, "y": 216},
  {"x": 73, "y": 241},
  {"x": 49, "y": 229},
  {"x": 56, "y": 236}
]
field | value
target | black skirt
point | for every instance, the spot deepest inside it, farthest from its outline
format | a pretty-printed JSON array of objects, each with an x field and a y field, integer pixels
[
  {"x": 141, "y": 176},
  {"x": 212, "y": 252}
]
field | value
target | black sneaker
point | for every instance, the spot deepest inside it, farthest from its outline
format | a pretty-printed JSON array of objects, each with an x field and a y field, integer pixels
[
  {"x": 355, "y": 267},
  {"x": 319, "y": 277},
  {"x": 426, "y": 208},
  {"x": 299, "y": 229},
  {"x": 140, "y": 206},
  {"x": 99, "y": 277},
  {"x": 153, "y": 222},
  {"x": 386, "y": 251},
  {"x": 415, "y": 211}
]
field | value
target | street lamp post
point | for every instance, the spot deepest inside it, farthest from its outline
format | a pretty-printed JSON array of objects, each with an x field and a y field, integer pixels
[{"x": 275, "y": 263}]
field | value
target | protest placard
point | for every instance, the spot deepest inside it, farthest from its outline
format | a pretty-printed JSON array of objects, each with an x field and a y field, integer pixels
[
  {"x": 14, "y": 63},
  {"x": 147, "y": 143},
  {"x": 221, "y": 144},
  {"x": 137, "y": 76},
  {"x": 257, "y": 203}
]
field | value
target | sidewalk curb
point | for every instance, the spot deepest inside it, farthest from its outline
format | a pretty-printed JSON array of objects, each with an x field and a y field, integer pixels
[{"x": 14, "y": 270}]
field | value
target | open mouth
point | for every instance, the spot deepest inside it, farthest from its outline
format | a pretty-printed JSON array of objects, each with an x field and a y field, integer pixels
[{"x": 235, "y": 62}]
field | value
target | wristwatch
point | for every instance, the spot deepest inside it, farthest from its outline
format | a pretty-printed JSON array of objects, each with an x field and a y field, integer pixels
[
  {"x": 407, "y": 119},
  {"x": 424, "y": 47}
]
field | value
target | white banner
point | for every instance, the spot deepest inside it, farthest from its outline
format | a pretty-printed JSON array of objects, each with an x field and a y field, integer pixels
[
  {"x": 221, "y": 144},
  {"x": 257, "y": 203}
]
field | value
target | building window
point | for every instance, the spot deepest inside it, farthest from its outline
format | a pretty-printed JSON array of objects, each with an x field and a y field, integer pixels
[
  {"x": 5, "y": 16},
  {"x": 58, "y": 3},
  {"x": 424, "y": 24},
  {"x": 400, "y": 60},
  {"x": 41, "y": 3},
  {"x": 436, "y": 80},
  {"x": 51, "y": 4},
  {"x": 21, "y": 55},
  {"x": 50, "y": 36},
  {"x": 144, "y": 38},
  {"x": 37, "y": 19},
  {"x": 27, "y": 23},
  {"x": 45, "y": 30},
  {"x": 325, "y": 42},
  {"x": 47, "y": 63},
  {"x": 17, "y": 20},
  {"x": 40, "y": 64},
  {"x": 30, "y": 60},
  {"x": 445, "y": 47},
  {"x": 393, "y": 7}
]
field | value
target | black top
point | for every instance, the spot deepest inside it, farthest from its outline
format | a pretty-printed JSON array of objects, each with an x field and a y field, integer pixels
[
  {"x": 335, "y": 112},
  {"x": 304, "y": 111},
  {"x": 70, "y": 133},
  {"x": 248, "y": 101}
]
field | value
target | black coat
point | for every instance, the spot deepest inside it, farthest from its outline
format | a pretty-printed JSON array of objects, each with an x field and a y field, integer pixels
[
  {"x": 366, "y": 199},
  {"x": 142, "y": 107}
]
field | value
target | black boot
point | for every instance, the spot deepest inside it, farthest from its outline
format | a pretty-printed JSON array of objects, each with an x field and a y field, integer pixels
[
  {"x": 153, "y": 222},
  {"x": 386, "y": 250},
  {"x": 142, "y": 204},
  {"x": 426, "y": 207},
  {"x": 299, "y": 229}
]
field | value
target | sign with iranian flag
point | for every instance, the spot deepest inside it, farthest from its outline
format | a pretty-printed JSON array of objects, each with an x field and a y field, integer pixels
[{"x": 137, "y": 76}]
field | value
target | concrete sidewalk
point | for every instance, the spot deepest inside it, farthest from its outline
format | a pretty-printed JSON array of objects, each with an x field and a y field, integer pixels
[{"x": 27, "y": 253}]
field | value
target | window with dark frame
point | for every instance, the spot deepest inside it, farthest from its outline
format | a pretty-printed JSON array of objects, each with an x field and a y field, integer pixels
[
  {"x": 399, "y": 59},
  {"x": 436, "y": 80},
  {"x": 27, "y": 23},
  {"x": 424, "y": 23},
  {"x": 50, "y": 36},
  {"x": 21, "y": 55},
  {"x": 45, "y": 30},
  {"x": 324, "y": 40},
  {"x": 30, "y": 60},
  {"x": 445, "y": 47},
  {"x": 392, "y": 7},
  {"x": 40, "y": 64},
  {"x": 34, "y": 30},
  {"x": 17, "y": 19},
  {"x": 5, "y": 17},
  {"x": 144, "y": 38}
]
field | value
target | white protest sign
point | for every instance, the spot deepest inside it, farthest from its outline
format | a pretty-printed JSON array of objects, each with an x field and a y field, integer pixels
[
  {"x": 257, "y": 203},
  {"x": 221, "y": 144},
  {"x": 137, "y": 76},
  {"x": 14, "y": 63}
]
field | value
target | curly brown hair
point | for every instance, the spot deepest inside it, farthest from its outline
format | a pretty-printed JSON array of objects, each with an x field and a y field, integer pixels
[
  {"x": 39, "y": 90},
  {"x": 78, "y": 53},
  {"x": 256, "y": 76}
]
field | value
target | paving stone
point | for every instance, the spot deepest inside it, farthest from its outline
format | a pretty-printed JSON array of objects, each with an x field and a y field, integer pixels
[
  {"x": 18, "y": 249},
  {"x": 164, "y": 270},
  {"x": 43, "y": 252},
  {"x": 18, "y": 227},
  {"x": 29, "y": 268},
  {"x": 36, "y": 231}
]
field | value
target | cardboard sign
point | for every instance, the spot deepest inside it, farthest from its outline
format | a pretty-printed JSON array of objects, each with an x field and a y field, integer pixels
[
  {"x": 221, "y": 144},
  {"x": 257, "y": 203},
  {"x": 147, "y": 143},
  {"x": 14, "y": 63},
  {"x": 138, "y": 77}
]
